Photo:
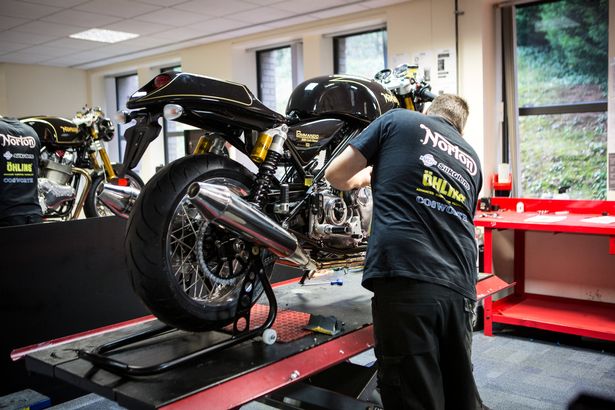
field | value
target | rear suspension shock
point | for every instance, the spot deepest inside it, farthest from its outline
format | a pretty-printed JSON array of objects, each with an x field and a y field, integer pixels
[{"x": 266, "y": 172}]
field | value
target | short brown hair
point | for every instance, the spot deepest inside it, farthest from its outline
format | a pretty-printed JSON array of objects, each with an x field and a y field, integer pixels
[{"x": 452, "y": 107}]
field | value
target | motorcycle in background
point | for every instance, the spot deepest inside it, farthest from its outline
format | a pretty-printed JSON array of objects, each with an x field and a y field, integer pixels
[
  {"x": 74, "y": 165},
  {"x": 205, "y": 230}
]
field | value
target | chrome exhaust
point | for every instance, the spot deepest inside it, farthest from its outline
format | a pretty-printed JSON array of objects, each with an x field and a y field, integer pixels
[
  {"x": 120, "y": 199},
  {"x": 230, "y": 211}
]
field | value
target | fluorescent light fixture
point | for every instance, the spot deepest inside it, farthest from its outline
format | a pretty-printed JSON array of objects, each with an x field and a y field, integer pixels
[{"x": 103, "y": 36}]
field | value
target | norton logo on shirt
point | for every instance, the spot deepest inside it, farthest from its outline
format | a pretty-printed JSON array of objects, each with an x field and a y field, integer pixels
[
  {"x": 451, "y": 149},
  {"x": 11, "y": 141}
]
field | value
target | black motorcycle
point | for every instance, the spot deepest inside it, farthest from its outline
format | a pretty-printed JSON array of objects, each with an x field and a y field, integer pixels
[
  {"x": 205, "y": 226},
  {"x": 74, "y": 165}
]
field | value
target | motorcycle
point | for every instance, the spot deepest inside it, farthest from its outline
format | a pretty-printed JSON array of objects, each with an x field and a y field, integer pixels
[
  {"x": 74, "y": 165},
  {"x": 205, "y": 226}
]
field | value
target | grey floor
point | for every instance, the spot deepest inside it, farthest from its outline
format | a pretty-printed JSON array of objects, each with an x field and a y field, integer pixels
[
  {"x": 525, "y": 369},
  {"x": 518, "y": 369}
]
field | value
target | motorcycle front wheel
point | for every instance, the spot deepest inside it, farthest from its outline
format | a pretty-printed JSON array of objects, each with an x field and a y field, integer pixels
[
  {"x": 93, "y": 206},
  {"x": 187, "y": 271}
]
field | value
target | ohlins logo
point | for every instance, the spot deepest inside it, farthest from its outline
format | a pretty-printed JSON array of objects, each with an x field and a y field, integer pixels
[
  {"x": 389, "y": 98},
  {"x": 443, "y": 144},
  {"x": 305, "y": 137},
  {"x": 11, "y": 141},
  {"x": 17, "y": 167},
  {"x": 441, "y": 186},
  {"x": 69, "y": 129}
]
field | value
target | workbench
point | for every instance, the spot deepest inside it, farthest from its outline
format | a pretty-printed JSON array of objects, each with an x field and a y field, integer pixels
[
  {"x": 566, "y": 315},
  {"x": 226, "y": 379}
]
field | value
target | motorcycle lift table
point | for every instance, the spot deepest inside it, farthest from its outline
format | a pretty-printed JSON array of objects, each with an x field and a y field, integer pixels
[{"x": 233, "y": 376}]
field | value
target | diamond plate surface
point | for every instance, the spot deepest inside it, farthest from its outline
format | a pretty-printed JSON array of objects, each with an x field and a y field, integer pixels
[{"x": 289, "y": 324}]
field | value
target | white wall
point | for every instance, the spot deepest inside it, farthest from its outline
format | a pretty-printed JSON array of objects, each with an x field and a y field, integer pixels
[
  {"x": 420, "y": 26},
  {"x": 41, "y": 90}
]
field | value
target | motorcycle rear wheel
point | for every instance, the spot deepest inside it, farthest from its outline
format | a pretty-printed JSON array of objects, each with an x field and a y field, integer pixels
[
  {"x": 93, "y": 206},
  {"x": 163, "y": 232}
]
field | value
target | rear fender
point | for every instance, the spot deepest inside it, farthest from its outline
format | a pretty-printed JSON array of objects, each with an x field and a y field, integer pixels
[{"x": 138, "y": 138}]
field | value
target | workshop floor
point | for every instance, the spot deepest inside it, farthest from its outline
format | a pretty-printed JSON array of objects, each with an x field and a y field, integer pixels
[
  {"x": 518, "y": 369},
  {"x": 522, "y": 369}
]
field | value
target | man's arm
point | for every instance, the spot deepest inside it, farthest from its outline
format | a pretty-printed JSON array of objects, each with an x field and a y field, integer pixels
[{"x": 347, "y": 171}]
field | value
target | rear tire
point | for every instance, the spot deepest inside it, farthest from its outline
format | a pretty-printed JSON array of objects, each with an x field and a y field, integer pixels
[{"x": 161, "y": 241}]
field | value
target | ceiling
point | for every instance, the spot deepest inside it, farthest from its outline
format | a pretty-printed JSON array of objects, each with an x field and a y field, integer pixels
[{"x": 36, "y": 31}]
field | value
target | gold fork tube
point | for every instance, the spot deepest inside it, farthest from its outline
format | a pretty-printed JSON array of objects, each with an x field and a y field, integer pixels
[{"x": 84, "y": 192}]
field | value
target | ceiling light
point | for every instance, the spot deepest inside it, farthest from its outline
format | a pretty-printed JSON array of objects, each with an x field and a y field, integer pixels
[{"x": 103, "y": 36}]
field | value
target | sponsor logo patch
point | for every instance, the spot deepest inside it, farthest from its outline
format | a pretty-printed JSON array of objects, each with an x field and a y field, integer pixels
[
  {"x": 440, "y": 207},
  {"x": 11, "y": 141},
  {"x": 439, "y": 141}
]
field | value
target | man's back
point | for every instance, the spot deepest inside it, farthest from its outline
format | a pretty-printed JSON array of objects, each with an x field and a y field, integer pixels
[{"x": 425, "y": 181}]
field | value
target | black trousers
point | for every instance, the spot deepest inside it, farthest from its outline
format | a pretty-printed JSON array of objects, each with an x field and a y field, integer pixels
[{"x": 423, "y": 335}]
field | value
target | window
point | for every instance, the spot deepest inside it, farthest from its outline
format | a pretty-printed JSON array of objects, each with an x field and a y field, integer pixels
[
  {"x": 360, "y": 54},
  {"x": 174, "y": 141},
  {"x": 561, "y": 56},
  {"x": 275, "y": 77},
  {"x": 125, "y": 86}
]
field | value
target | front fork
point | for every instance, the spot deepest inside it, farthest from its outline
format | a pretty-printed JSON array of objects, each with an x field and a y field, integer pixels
[{"x": 106, "y": 161}]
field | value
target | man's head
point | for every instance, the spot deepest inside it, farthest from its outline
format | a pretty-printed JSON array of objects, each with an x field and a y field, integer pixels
[{"x": 452, "y": 107}]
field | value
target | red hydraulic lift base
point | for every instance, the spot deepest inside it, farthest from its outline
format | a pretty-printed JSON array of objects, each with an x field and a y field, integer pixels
[{"x": 229, "y": 378}]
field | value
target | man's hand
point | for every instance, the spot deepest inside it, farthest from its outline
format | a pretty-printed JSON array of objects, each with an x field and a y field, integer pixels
[{"x": 347, "y": 171}]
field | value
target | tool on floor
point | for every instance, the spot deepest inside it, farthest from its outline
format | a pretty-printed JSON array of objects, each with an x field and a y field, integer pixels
[
  {"x": 328, "y": 325},
  {"x": 336, "y": 282}
]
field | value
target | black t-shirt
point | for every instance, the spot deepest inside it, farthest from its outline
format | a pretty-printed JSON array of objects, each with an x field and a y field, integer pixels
[
  {"x": 425, "y": 183},
  {"x": 19, "y": 153}
]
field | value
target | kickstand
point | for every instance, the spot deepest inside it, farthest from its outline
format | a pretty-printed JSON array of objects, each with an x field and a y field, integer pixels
[{"x": 100, "y": 356}]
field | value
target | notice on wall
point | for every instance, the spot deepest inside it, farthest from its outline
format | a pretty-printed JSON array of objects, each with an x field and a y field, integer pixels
[
  {"x": 400, "y": 58},
  {"x": 424, "y": 60},
  {"x": 446, "y": 71}
]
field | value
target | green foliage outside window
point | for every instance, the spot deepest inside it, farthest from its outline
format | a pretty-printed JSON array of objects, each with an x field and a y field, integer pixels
[{"x": 562, "y": 57}]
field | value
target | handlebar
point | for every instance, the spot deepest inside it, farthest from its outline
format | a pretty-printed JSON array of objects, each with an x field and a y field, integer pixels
[{"x": 425, "y": 94}]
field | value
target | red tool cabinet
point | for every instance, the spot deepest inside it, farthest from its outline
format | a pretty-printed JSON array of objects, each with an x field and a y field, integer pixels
[{"x": 566, "y": 315}]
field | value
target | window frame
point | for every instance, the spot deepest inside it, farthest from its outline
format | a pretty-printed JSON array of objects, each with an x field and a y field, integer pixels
[
  {"x": 336, "y": 51},
  {"x": 511, "y": 144},
  {"x": 165, "y": 131},
  {"x": 296, "y": 63},
  {"x": 117, "y": 107}
]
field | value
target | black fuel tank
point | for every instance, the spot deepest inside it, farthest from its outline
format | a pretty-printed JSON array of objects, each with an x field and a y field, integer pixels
[
  {"x": 310, "y": 137},
  {"x": 56, "y": 132},
  {"x": 206, "y": 98},
  {"x": 341, "y": 95}
]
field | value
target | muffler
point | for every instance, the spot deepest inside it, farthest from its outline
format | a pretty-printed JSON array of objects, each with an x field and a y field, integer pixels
[
  {"x": 219, "y": 204},
  {"x": 120, "y": 199}
]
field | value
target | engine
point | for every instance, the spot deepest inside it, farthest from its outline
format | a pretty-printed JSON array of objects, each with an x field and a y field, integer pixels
[
  {"x": 54, "y": 182},
  {"x": 341, "y": 219}
]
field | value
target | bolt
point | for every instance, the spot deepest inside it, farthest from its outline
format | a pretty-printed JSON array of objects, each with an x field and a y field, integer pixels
[{"x": 294, "y": 375}]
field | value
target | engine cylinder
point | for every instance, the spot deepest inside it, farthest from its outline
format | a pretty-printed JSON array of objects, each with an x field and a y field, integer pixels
[{"x": 58, "y": 173}]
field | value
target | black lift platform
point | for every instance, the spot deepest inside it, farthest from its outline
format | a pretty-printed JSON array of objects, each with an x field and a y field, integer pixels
[{"x": 228, "y": 378}]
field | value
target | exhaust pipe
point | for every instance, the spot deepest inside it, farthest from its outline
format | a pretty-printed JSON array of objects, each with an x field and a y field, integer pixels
[
  {"x": 120, "y": 199},
  {"x": 230, "y": 211}
]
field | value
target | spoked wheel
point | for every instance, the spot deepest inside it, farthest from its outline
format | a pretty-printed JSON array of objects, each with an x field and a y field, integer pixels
[
  {"x": 94, "y": 207},
  {"x": 187, "y": 270}
]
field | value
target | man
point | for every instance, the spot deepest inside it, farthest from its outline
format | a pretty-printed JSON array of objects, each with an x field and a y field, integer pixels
[
  {"x": 19, "y": 154},
  {"x": 421, "y": 256}
]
